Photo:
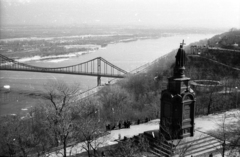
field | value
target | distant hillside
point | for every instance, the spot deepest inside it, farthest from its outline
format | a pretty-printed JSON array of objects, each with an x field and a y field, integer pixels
[
  {"x": 224, "y": 48},
  {"x": 230, "y": 40}
]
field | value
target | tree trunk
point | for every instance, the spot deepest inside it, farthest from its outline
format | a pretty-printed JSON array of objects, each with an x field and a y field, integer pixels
[
  {"x": 223, "y": 150},
  {"x": 88, "y": 149},
  {"x": 23, "y": 152},
  {"x": 65, "y": 147},
  {"x": 209, "y": 106}
]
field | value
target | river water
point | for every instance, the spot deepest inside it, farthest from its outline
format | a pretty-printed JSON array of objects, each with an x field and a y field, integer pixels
[{"x": 128, "y": 56}]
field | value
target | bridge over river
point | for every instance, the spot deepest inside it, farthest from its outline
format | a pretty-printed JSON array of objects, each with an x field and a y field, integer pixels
[{"x": 97, "y": 67}]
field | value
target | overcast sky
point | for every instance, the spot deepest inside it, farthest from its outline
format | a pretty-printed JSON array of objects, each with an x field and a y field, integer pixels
[{"x": 156, "y": 13}]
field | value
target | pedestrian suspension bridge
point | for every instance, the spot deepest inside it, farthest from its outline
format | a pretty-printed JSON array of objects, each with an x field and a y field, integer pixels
[{"x": 98, "y": 67}]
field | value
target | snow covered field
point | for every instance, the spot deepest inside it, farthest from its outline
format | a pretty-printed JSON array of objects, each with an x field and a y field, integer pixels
[{"x": 202, "y": 123}]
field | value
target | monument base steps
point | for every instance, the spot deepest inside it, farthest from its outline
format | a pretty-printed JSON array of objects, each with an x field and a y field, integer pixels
[{"x": 201, "y": 145}]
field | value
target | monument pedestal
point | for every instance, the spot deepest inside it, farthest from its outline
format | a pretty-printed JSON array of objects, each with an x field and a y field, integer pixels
[{"x": 177, "y": 109}]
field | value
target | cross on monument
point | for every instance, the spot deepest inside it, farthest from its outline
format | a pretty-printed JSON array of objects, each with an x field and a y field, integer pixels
[{"x": 181, "y": 44}]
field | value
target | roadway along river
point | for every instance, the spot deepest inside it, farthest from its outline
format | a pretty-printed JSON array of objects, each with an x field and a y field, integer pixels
[{"x": 127, "y": 56}]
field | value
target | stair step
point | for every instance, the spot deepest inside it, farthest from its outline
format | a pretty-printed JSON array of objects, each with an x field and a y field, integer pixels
[
  {"x": 199, "y": 143},
  {"x": 204, "y": 150},
  {"x": 202, "y": 145},
  {"x": 155, "y": 153},
  {"x": 167, "y": 150},
  {"x": 206, "y": 153},
  {"x": 161, "y": 150},
  {"x": 158, "y": 151},
  {"x": 196, "y": 140}
]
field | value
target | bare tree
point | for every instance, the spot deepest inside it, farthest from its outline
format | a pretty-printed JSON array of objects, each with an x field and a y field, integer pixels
[
  {"x": 8, "y": 136},
  {"x": 234, "y": 135},
  {"x": 115, "y": 103},
  {"x": 59, "y": 108},
  {"x": 227, "y": 133},
  {"x": 17, "y": 138},
  {"x": 90, "y": 128},
  {"x": 40, "y": 131},
  {"x": 92, "y": 135}
]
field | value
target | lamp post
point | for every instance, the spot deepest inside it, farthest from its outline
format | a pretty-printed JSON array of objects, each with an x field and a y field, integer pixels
[{"x": 236, "y": 96}]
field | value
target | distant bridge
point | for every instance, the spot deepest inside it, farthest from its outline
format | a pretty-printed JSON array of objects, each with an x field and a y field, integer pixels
[{"x": 96, "y": 67}]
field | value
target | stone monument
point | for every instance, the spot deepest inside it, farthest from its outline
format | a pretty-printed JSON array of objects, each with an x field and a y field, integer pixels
[
  {"x": 177, "y": 103},
  {"x": 177, "y": 135}
]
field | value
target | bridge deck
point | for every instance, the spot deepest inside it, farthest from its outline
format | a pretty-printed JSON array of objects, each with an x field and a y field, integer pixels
[
  {"x": 95, "y": 67},
  {"x": 68, "y": 72}
]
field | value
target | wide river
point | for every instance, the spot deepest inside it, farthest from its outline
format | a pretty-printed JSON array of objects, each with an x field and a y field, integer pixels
[{"x": 128, "y": 56}]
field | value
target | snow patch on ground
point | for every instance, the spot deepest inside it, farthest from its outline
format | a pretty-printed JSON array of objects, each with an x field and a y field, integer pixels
[{"x": 212, "y": 121}]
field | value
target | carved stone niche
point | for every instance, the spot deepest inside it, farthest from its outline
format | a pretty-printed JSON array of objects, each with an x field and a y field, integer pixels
[
  {"x": 177, "y": 115},
  {"x": 166, "y": 114},
  {"x": 188, "y": 114}
]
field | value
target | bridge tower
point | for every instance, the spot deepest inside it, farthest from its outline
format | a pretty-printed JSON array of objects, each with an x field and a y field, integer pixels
[
  {"x": 177, "y": 103},
  {"x": 98, "y": 72}
]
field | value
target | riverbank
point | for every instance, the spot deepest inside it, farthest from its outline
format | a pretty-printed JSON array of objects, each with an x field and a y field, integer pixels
[
  {"x": 54, "y": 58},
  {"x": 63, "y": 56},
  {"x": 39, "y": 48}
]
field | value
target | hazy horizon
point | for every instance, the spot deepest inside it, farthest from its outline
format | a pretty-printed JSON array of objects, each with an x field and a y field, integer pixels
[{"x": 153, "y": 13}]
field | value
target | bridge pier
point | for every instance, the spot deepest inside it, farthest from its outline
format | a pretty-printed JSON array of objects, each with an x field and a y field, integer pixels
[{"x": 98, "y": 80}]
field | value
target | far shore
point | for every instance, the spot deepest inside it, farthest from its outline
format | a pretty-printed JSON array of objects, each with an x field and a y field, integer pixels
[
  {"x": 63, "y": 57},
  {"x": 54, "y": 58}
]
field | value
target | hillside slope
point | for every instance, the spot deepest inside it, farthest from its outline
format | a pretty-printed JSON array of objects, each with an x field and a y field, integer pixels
[{"x": 230, "y": 40}]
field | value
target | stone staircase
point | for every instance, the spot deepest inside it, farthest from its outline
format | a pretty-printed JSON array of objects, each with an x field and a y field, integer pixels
[
  {"x": 156, "y": 148},
  {"x": 198, "y": 146}
]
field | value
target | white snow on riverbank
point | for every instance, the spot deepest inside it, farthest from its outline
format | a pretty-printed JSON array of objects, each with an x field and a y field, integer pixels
[
  {"x": 63, "y": 57},
  {"x": 27, "y": 59},
  {"x": 62, "y": 37},
  {"x": 83, "y": 46},
  {"x": 54, "y": 59}
]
